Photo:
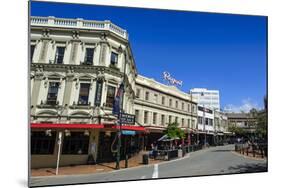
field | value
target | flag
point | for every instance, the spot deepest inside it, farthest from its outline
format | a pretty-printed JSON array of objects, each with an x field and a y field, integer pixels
[{"x": 118, "y": 100}]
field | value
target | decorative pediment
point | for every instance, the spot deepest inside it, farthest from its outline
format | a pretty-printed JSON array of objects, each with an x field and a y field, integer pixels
[
  {"x": 46, "y": 113},
  {"x": 80, "y": 113}
]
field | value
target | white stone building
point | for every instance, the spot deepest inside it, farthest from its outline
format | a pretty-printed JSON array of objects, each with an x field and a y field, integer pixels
[{"x": 208, "y": 98}]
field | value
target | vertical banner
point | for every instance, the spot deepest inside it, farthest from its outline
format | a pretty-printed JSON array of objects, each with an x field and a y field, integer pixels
[
  {"x": 98, "y": 92},
  {"x": 118, "y": 100}
]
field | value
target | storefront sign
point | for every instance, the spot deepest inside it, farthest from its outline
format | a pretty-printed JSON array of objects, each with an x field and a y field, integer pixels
[
  {"x": 98, "y": 93},
  {"x": 127, "y": 118},
  {"x": 167, "y": 76},
  {"x": 132, "y": 133}
]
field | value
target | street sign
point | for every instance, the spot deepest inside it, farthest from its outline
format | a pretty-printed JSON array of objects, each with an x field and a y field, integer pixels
[
  {"x": 127, "y": 118},
  {"x": 131, "y": 133}
]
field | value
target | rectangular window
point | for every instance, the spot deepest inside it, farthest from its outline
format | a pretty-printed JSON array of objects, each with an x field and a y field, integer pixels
[
  {"x": 155, "y": 98},
  {"x": 162, "y": 119},
  {"x": 145, "y": 120},
  {"x": 84, "y": 94},
  {"x": 114, "y": 58},
  {"x": 89, "y": 56},
  {"x": 147, "y": 95},
  {"x": 137, "y": 113},
  {"x": 59, "y": 55},
  {"x": 170, "y": 102},
  {"x": 138, "y": 93},
  {"x": 176, "y": 104},
  {"x": 182, "y": 106},
  {"x": 163, "y": 100},
  {"x": 43, "y": 143},
  {"x": 188, "y": 123},
  {"x": 154, "y": 118},
  {"x": 52, "y": 93},
  {"x": 76, "y": 143},
  {"x": 182, "y": 122},
  {"x": 176, "y": 120},
  {"x": 170, "y": 119},
  {"x": 206, "y": 121},
  {"x": 193, "y": 124},
  {"x": 32, "y": 47},
  {"x": 110, "y": 96},
  {"x": 189, "y": 109}
]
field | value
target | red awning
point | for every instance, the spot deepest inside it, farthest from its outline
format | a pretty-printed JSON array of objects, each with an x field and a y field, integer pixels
[
  {"x": 68, "y": 126},
  {"x": 85, "y": 126}
]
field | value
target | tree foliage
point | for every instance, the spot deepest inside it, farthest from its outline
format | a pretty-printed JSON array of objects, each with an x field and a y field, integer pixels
[{"x": 173, "y": 131}]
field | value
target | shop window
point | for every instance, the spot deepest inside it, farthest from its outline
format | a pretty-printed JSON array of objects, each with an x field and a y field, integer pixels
[
  {"x": 59, "y": 55},
  {"x": 43, "y": 143},
  {"x": 76, "y": 143},
  {"x": 84, "y": 94},
  {"x": 52, "y": 93},
  {"x": 110, "y": 96}
]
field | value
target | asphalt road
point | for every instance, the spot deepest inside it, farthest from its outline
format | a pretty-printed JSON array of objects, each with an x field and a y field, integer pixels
[{"x": 214, "y": 160}]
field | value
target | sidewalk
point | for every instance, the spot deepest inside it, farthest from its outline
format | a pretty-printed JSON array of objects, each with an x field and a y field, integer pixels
[{"x": 87, "y": 169}]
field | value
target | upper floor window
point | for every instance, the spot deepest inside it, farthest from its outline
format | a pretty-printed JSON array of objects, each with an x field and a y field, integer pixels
[
  {"x": 110, "y": 96},
  {"x": 188, "y": 106},
  {"x": 137, "y": 113},
  {"x": 170, "y": 102},
  {"x": 32, "y": 47},
  {"x": 52, "y": 93},
  {"x": 170, "y": 119},
  {"x": 182, "y": 122},
  {"x": 147, "y": 95},
  {"x": 176, "y": 119},
  {"x": 182, "y": 106},
  {"x": 145, "y": 120},
  {"x": 89, "y": 56},
  {"x": 138, "y": 93},
  {"x": 162, "y": 119},
  {"x": 154, "y": 118},
  {"x": 176, "y": 104},
  {"x": 155, "y": 98},
  {"x": 163, "y": 100},
  {"x": 84, "y": 94},
  {"x": 59, "y": 55},
  {"x": 114, "y": 58}
]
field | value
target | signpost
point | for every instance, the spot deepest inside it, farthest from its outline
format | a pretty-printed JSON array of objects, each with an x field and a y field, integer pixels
[{"x": 58, "y": 158}]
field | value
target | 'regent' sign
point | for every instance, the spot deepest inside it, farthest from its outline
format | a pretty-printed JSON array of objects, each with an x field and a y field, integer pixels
[{"x": 167, "y": 76}]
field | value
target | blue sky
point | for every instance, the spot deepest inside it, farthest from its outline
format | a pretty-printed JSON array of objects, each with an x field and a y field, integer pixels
[{"x": 216, "y": 51}]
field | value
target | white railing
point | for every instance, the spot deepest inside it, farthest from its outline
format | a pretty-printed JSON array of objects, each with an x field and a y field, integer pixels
[{"x": 79, "y": 24}]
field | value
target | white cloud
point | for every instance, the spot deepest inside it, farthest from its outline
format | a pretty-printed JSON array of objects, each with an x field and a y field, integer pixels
[{"x": 246, "y": 106}]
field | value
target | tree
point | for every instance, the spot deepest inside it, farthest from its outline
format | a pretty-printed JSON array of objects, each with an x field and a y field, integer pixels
[
  {"x": 237, "y": 130},
  {"x": 173, "y": 131}
]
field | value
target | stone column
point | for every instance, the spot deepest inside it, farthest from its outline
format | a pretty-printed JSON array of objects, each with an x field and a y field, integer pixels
[{"x": 35, "y": 91}]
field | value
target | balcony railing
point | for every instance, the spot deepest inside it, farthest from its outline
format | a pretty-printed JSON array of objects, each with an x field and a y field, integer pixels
[{"x": 78, "y": 24}]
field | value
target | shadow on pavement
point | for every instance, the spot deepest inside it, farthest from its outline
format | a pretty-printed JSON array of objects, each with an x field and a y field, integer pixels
[{"x": 253, "y": 167}]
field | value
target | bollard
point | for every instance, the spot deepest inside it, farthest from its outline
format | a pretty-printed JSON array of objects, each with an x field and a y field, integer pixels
[{"x": 126, "y": 161}]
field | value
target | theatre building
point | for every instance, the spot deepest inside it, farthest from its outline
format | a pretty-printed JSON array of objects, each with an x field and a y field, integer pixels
[
  {"x": 76, "y": 68},
  {"x": 157, "y": 104}
]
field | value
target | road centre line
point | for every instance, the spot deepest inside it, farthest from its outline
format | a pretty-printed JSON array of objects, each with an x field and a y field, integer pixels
[{"x": 155, "y": 171}]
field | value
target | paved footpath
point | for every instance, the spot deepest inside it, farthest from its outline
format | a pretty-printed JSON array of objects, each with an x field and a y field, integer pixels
[{"x": 214, "y": 160}]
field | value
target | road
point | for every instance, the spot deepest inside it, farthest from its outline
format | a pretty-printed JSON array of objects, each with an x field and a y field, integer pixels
[{"x": 214, "y": 160}]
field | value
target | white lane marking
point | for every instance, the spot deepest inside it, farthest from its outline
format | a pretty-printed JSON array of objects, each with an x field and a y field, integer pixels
[{"x": 155, "y": 171}]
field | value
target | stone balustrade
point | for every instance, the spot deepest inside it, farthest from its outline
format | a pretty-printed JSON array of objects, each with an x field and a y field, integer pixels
[{"x": 78, "y": 24}]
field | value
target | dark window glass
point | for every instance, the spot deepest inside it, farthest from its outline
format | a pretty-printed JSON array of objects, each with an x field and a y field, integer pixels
[
  {"x": 154, "y": 118},
  {"x": 59, "y": 55},
  {"x": 176, "y": 104},
  {"x": 110, "y": 96},
  {"x": 76, "y": 143},
  {"x": 138, "y": 93},
  {"x": 147, "y": 96},
  {"x": 89, "y": 56},
  {"x": 145, "y": 117},
  {"x": 162, "y": 119},
  {"x": 42, "y": 143},
  {"x": 52, "y": 93},
  {"x": 84, "y": 94},
  {"x": 170, "y": 119},
  {"x": 137, "y": 115},
  {"x": 32, "y": 52},
  {"x": 114, "y": 58},
  {"x": 163, "y": 100}
]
